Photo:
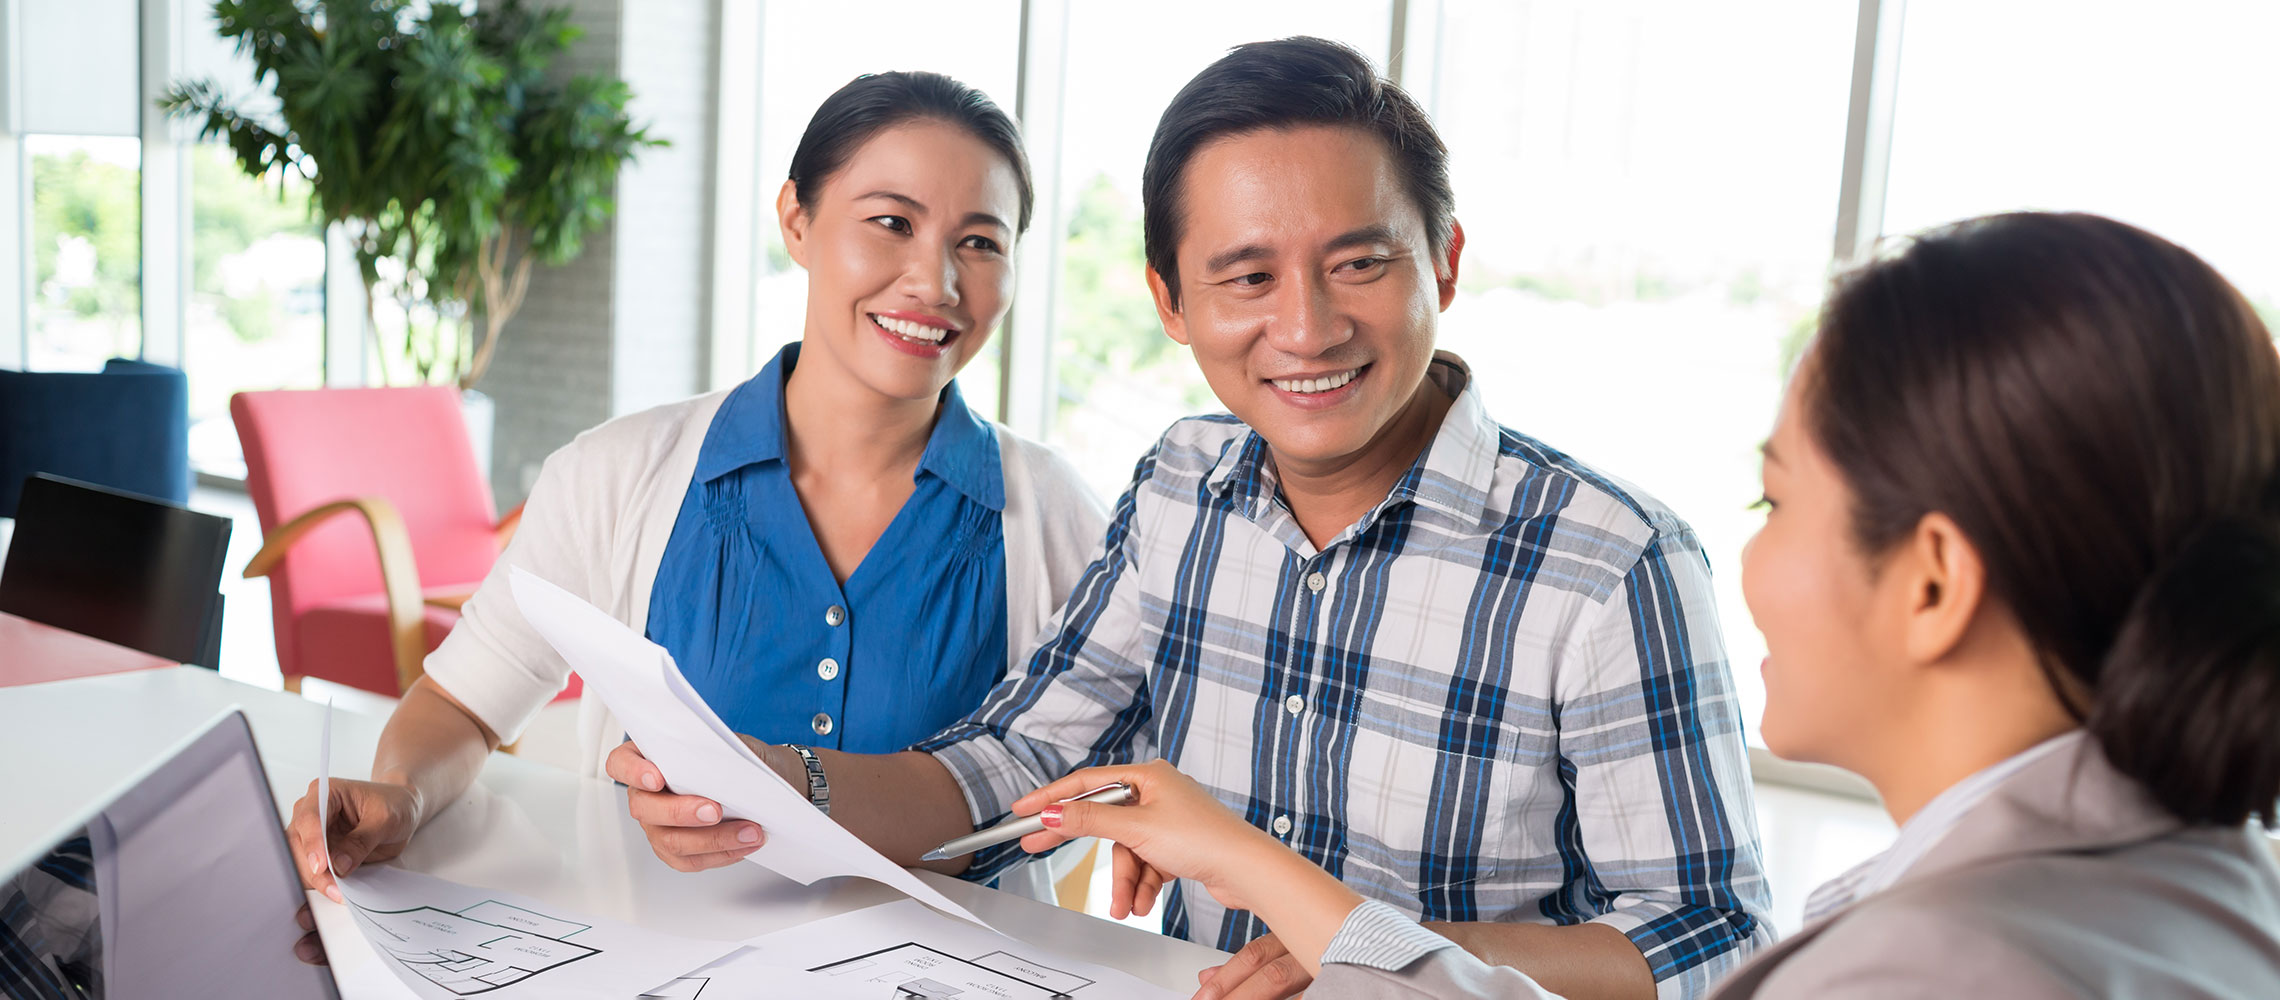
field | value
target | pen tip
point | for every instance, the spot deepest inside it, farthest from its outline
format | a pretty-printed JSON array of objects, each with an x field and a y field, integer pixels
[{"x": 933, "y": 856}]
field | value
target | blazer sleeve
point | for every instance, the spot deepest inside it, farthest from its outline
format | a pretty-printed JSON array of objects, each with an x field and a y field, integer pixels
[{"x": 1380, "y": 954}]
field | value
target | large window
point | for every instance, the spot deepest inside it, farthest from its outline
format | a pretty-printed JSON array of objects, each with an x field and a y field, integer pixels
[
  {"x": 256, "y": 312},
  {"x": 84, "y": 299},
  {"x": 2166, "y": 117},
  {"x": 1646, "y": 188}
]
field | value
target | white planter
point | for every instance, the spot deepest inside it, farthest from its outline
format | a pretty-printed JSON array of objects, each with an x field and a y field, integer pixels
[{"x": 481, "y": 414}]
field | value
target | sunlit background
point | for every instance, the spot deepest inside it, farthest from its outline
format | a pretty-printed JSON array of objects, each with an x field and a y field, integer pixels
[{"x": 1655, "y": 194}]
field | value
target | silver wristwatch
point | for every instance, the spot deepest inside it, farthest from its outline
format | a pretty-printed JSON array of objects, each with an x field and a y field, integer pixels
[{"x": 819, "y": 790}]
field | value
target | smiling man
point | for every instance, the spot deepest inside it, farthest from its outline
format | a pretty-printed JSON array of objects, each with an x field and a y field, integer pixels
[{"x": 1467, "y": 674}]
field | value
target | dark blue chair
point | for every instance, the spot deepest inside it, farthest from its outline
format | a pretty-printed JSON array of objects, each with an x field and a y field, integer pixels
[{"x": 127, "y": 427}]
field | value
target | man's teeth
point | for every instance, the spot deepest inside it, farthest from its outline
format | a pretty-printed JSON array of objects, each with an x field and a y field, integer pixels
[
  {"x": 1324, "y": 384},
  {"x": 915, "y": 331}
]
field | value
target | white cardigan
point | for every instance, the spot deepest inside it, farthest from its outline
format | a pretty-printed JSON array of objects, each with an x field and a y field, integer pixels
[{"x": 596, "y": 525}]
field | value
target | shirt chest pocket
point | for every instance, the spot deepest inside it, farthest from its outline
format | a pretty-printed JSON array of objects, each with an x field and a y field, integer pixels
[{"x": 1440, "y": 829}]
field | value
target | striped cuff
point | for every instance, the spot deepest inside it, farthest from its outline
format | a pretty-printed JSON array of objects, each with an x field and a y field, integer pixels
[{"x": 1380, "y": 937}]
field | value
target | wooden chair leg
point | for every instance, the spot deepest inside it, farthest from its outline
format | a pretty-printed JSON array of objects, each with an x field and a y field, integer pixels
[
  {"x": 1073, "y": 891},
  {"x": 293, "y": 685}
]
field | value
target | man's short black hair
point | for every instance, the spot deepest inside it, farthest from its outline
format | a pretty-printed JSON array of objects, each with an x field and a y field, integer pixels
[{"x": 1282, "y": 84}]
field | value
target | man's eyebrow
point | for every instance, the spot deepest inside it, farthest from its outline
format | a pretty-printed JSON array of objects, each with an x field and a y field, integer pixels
[
  {"x": 1240, "y": 255},
  {"x": 1366, "y": 236}
]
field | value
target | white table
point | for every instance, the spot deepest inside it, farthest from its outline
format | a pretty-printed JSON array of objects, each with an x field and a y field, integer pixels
[{"x": 525, "y": 828}]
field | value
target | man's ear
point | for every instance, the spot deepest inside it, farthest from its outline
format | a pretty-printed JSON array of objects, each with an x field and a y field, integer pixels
[
  {"x": 1945, "y": 584},
  {"x": 792, "y": 220},
  {"x": 1445, "y": 275},
  {"x": 1175, "y": 322}
]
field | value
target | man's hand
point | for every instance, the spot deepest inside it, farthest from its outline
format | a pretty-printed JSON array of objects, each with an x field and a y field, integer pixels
[
  {"x": 685, "y": 831},
  {"x": 1263, "y": 970}
]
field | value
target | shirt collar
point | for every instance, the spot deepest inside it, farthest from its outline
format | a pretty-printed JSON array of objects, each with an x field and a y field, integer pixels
[
  {"x": 1454, "y": 477},
  {"x": 749, "y": 429}
]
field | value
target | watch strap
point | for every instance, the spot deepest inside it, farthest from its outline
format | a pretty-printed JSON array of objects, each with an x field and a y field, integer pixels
[{"x": 819, "y": 790}]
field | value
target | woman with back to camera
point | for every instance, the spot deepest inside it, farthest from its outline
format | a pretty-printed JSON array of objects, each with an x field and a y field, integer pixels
[
  {"x": 838, "y": 552},
  {"x": 2021, "y": 570}
]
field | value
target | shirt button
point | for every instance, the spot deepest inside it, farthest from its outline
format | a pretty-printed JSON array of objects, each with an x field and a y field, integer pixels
[
  {"x": 1315, "y": 582},
  {"x": 833, "y": 615},
  {"x": 1282, "y": 826},
  {"x": 828, "y": 669},
  {"x": 1295, "y": 704},
  {"x": 821, "y": 724}
]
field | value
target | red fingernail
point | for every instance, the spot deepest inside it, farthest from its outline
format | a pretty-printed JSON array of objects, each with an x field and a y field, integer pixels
[{"x": 1051, "y": 816}]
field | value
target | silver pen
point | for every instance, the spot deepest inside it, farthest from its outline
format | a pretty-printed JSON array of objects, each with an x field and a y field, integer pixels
[{"x": 1014, "y": 829}]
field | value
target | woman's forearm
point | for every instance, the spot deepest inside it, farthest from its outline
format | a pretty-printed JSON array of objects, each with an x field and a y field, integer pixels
[
  {"x": 432, "y": 745},
  {"x": 1300, "y": 902}
]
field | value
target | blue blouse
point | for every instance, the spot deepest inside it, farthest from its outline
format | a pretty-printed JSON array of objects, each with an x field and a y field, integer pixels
[{"x": 762, "y": 629}]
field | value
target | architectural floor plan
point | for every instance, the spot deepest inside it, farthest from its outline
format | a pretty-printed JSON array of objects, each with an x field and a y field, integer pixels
[
  {"x": 904, "y": 951},
  {"x": 478, "y": 949}
]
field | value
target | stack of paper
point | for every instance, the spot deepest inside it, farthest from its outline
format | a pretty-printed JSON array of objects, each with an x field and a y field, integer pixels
[{"x": 446, "y": 940}]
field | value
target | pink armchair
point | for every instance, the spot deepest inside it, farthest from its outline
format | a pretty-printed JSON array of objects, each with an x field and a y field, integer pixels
[{"x": 362, "y": 600}]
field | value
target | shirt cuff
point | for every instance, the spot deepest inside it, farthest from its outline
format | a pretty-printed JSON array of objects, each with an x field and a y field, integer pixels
[{"x": 1380, "y": 937}]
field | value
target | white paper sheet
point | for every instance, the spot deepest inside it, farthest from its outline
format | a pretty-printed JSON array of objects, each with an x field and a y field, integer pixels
[
  {"x": 746, "y": 975},
  {"x": 446, "y": 940},
  {"x": 698, "y": 753},
  {"x": 901, "y": 950}
]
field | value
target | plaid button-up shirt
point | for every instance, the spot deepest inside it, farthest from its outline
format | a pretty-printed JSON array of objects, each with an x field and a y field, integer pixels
[{"x": 1499, "y": 695}]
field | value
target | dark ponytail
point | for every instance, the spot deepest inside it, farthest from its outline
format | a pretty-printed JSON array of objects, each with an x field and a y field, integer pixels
[
  {"x": 2187, "y": 698},
  {"x": 874, "y": 102},
  {"x": 2099, "y": 411}
]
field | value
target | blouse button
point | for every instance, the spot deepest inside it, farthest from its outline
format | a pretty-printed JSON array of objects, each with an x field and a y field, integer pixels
[
  {"x": 1315, "y": 582},
  {"x": 1294, "y": 704},
  {"x": 821, "y": 724},
  {"x": 828, "y": 669},
  {"x": 833, "y": 615},
  {"x": 1282, "y": 826}
]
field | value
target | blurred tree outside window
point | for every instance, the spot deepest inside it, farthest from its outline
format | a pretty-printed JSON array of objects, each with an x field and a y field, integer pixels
[
  {"x": 256, "y": 315},
  {"x": 85, "y": 301}
]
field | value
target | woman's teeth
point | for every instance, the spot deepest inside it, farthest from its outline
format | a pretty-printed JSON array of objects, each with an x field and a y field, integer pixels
[
  {"x": 1313, "y": 385},
  {"x": 914, "y": 331}
]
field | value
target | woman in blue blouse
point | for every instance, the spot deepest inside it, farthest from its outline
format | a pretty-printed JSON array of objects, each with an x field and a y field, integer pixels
[{"x": 838, "y": 552}]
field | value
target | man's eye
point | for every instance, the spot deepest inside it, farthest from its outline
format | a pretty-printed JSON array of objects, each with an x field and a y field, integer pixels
[
  {"x": 1249, "y": 280},
  {"x": 895, "y": 223},
  {"x": 1365, "y": 264}
]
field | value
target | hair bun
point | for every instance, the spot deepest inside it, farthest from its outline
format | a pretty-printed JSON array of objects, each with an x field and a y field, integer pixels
[{"x": 2188, "y": 700}]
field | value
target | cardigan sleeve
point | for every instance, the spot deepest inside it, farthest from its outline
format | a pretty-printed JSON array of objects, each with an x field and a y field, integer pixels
[
  {"x": 1054, "y": 523},
  {"x": 493, "y": 661}
]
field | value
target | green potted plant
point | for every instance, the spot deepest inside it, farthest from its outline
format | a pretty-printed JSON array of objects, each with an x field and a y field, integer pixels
[{"x": 438, "y": 140}]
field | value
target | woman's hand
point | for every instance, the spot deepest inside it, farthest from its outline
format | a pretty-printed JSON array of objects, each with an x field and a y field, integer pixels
[
  {"x": 685, "y": 831},
  {"x": 1173, "y": 829},
  {"x": 366, "y": 821}
]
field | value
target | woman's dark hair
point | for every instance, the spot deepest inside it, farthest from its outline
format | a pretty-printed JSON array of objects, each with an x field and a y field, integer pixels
[
  {"x": 1284, "y": 84},
  {"x": 2099, "y": 412},
  {"x": 874, "y": 102}
]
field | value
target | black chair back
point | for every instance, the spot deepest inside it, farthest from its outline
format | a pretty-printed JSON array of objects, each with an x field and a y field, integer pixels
[{"x": 123, "y": 568}]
